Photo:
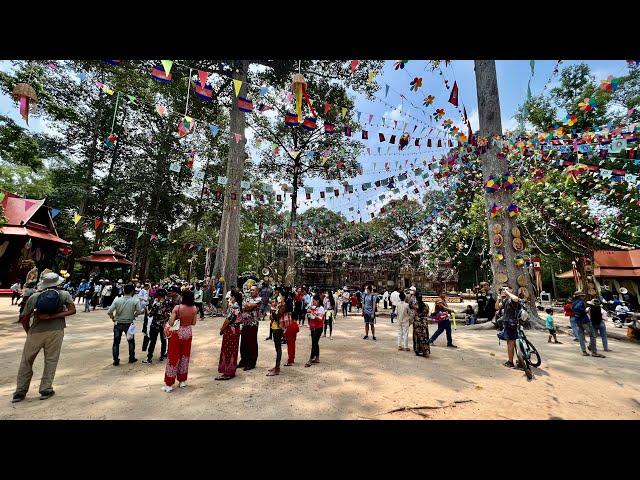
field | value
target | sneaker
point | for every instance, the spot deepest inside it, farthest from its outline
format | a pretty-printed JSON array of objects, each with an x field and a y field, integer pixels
[
  {"x": 182, "y": 384},
  {"x": 509, "y": 364},
  {"x": 18, "y": 397},
  {"x": 585, "y": 353},
  {"x": 366, "y": 337},
  {"x": 163, "y": 358},
  {"x": 116, "y": 363},
  {"x": 452, "y": 346},
  {"x": 596, "y": 354},
  {"x": 133, "y": 360},
  {"x": 47, "y": 394},
  {"x": 374, "y": 337},
  {"x": 168, "y": 389},
  {"x": 147, "y": 361}
]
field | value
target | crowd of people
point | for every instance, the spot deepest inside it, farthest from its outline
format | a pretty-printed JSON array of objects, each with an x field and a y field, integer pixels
[{"x": 171, "y": 308}]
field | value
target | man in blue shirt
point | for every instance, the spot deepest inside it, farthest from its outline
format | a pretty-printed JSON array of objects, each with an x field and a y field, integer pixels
[{"x": 583, "y": 324}]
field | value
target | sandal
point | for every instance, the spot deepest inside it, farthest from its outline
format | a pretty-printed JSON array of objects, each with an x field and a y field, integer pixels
[
  {"x": 273, "y": 371},
  {"x": 308, "y": 364},
  {"x": 509, "y": 364},
  {"x": 223, "y": 377}
]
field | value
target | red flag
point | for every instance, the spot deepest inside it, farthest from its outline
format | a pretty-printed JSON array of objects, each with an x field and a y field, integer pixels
[
  {"x": 453, "y": 99},
  {"x": 203, "y": 76},
  {"x": 464, "y": 113},
  {"x": 96, "y": 223},
  {"x": 354, "y": 65},
  {"x": 327, "y": 107}
]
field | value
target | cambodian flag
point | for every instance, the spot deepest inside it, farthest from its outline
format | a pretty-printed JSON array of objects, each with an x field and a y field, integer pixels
[
  {"x": 291, "y": 119},
  {"x": 309, "y": 124},
  {"x": 245, "y": 105},
  {"x": 329, "y": 127},
  {"x": 158, "y": 74},
  {"x": 204, "y": 93}
]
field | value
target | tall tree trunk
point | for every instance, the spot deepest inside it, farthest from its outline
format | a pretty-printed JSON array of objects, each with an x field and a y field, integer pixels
[
  {"x": 490, "y": 125},
  {"x": 228, "y": 242}
]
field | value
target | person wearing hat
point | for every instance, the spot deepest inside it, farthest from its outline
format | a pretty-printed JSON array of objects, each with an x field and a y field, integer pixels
[
  {"x": 583, "y": 324},
  {"x": 622, "y": 311},
  {"x": 597, "y": 316},
  {"x": 49, "y": 307}
]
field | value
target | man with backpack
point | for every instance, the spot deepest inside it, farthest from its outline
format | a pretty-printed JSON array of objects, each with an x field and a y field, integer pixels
[{"x": 49, "y": 307}]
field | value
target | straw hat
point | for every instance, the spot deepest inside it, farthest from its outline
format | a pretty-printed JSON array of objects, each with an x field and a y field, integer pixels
[{"x": 624, "y": 291}]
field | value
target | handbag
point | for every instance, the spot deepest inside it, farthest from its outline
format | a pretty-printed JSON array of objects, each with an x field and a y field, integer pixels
[
  {"x": 131, "y": 331},
  {"x": 176, "y": 324}
]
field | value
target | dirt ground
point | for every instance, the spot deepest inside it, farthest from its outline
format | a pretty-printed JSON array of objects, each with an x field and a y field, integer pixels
[{"x": 356, "y": 379}]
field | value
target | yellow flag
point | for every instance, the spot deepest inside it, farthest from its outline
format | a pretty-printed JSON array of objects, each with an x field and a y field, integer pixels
[
  {"x": 324, "y": 160},
  {"x": 107, "y": 90},
  {"x": 111, "y": 227},
  {"x": 372, "y": 75},
  {"x": 344, "y": 111},
  {"x": 167, "y": 64},
  {"x": 237, "y": 84},
  {"x": 76, "y": 219}
]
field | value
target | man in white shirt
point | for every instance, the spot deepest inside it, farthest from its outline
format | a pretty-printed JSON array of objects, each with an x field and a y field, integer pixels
[
  {"x": 345, "y": 301},
  {"x": 622, "y": 311},
  {"x": 394, "y": 299},
  {"x": 385, "y": 299}
]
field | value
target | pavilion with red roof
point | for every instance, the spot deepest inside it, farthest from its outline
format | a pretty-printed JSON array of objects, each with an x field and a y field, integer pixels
[{"x": 29, "y": 233}]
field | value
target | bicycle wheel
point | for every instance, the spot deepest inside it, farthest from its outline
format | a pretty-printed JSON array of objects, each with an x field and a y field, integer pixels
[
  {"x": 534, "y": 356},
  {"x": 520, "y": 362}
]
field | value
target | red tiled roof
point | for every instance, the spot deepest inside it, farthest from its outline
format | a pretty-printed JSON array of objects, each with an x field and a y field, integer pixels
[
  {"x": 33, "y": 233},
  {"x": 108, "y": 256},
  {"x": 18, "y": 209}
]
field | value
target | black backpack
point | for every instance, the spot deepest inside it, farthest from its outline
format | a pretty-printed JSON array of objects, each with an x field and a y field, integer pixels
[{"x": 49, "y": 301}]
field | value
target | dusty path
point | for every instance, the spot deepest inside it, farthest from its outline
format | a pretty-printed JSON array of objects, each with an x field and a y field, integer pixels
[{"x": 356, "y": 379}]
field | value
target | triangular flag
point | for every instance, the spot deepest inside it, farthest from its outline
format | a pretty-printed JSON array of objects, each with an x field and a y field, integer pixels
[
  {"x": 214, "y": 129},
  {"x": 372, "y": 75},
  {"x": 140, "y": 232},
  {"x": 203, "y": 77},
  {"x": 76, "y": 218},
  {"x": 28, "y": 204},
  {"x": 386, "y": 90},
  {"x": 354, "y": 65},
  {"x": 532, "y": 64},
  {"x": 161, "y": 109},
  {"x": 344, "y": 111},
  {"x": 54, "y": 211},
  {"x": 237, "y": 84},
  {"x": 132, "y": 99},
  {"x": 167, "y": 64},
  {"x": 96, "y": 223},
  {"x": 327, "y": 107},
  {"x": 111, "y": 228},
  {"x": 453, "y": 98}
]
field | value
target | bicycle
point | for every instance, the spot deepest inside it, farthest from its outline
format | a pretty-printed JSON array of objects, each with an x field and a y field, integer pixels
[{"x": 525, "y": 351}]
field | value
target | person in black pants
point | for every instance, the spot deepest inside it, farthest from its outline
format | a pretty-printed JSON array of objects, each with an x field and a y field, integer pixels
[{"x": 158, "y": 316}]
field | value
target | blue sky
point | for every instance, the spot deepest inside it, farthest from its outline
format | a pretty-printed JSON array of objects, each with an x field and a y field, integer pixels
[{"x": 513, "y": 76}]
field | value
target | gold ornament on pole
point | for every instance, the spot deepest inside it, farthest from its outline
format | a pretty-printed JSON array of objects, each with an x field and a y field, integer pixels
[{"x": 299, "y": 85}]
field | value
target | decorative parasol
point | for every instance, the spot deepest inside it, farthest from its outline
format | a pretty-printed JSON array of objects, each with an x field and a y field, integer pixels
[{"x": 27, "y": 98}]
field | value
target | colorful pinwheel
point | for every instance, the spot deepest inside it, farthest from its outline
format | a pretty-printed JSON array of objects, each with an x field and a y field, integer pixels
[
  {"x": 447, "y": 123},
  {"x": 513, "y": 210},
  {"x": 416, "y": 84},
  {"x": 588, "y": 104},
  {"x": 439, "y": 113},
  {"x": 508, "y": 182},
  {"x": 428, "y": 100},
  {"x": 496, "y": 210},
  {"x": 492, "y": 185},
  {"x": 400, "y": 64}
]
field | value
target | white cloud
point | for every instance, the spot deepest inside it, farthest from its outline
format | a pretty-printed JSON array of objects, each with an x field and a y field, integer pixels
[{"x": 395, "y": 114}]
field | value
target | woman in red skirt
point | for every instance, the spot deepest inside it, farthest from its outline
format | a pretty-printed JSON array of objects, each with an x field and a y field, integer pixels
[
  {"x": 179, "y": 342},
  {"x": 230, "y": 332}
]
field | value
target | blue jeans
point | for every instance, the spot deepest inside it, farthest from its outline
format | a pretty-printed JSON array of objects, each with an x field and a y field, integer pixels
[
  {"x": 586, "y": 327},
  {"x": 602, "y": 331},
  {"x": 444, "y": 325},
  {"x": 574, "y": 326}
]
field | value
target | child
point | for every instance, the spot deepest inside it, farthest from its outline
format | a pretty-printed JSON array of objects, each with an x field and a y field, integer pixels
[
  {"x": 550, "y": 326},
  {"x": 470, "y": 315}
]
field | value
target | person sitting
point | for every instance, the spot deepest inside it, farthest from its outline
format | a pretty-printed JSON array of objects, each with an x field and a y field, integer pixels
[
  {"x": 470, "y": 315},
  {"x": 622, "y": 311}
]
